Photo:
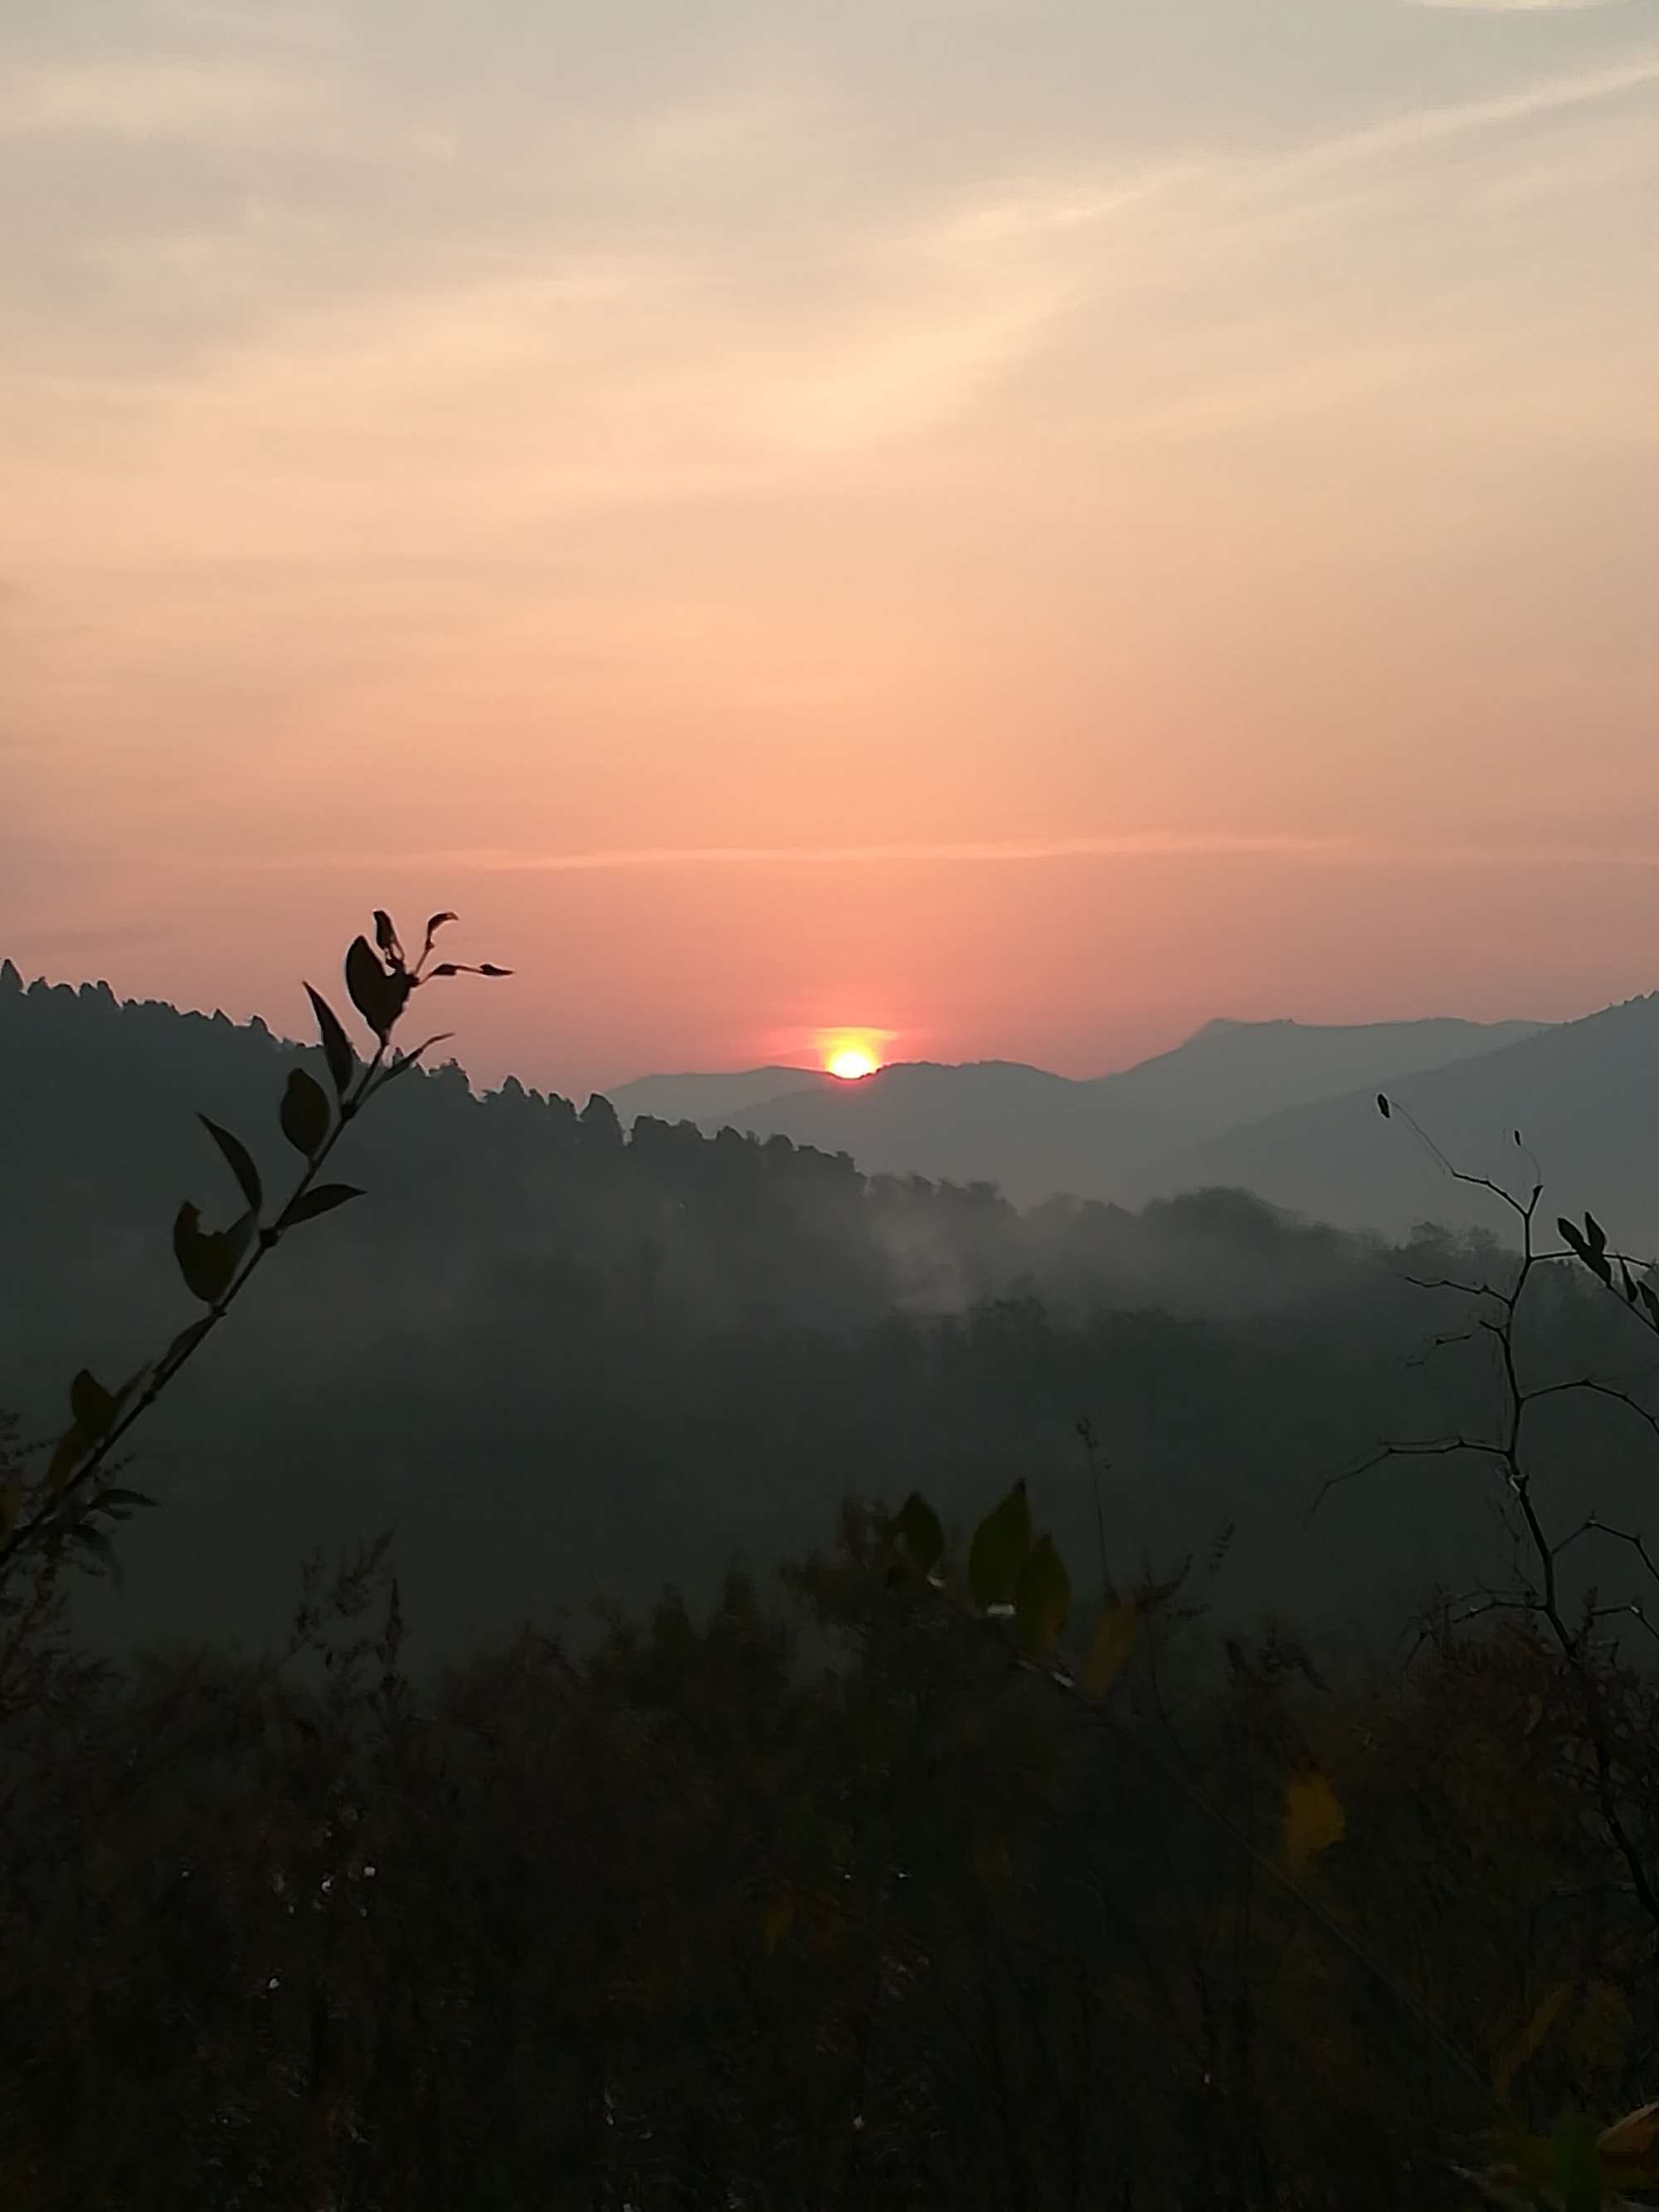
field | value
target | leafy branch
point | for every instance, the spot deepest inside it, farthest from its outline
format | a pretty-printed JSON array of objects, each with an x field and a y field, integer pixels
[
  {"x": 63, "y": 1508},
  {"x": 1018, "y": 1592}
]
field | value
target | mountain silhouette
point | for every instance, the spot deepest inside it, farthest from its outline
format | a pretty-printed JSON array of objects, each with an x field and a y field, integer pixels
[
  {"x": 1231, "y": 1072},
  {"x": 1036, "y": 1134},
  {"x": 558, "y": 1355},
  {"x": 707, "y": 1098},
  {"x": 1583, "y": 1095}
]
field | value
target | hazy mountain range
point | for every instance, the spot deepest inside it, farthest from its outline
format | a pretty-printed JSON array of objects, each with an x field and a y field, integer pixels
[
  {"x": 558, "y": 1355},
  {"x": 1583, "y": 1096},
  {"x": 1276, "y": 1107}
]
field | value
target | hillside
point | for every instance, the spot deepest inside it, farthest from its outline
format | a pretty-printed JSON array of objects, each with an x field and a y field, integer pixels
[
  {"x": 1234, "y": 1072},
  {"x": 1029, "y": 1133},
  {"x": 711, "y": 1099},
  {"x": 563, "y": 1359},
  {"x": 1584, "y": 1096},
  {"x": 1034, "y": 1134}
]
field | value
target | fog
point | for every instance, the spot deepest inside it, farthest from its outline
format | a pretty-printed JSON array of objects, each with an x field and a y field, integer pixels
[{"x": 566, "y": 1361}]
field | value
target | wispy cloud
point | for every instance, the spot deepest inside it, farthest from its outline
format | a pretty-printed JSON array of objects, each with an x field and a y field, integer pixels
[
  {"x": 645, "y": 475},
  {"x": 1126, "y": 845},
  {"x": 197, "y": 100}
]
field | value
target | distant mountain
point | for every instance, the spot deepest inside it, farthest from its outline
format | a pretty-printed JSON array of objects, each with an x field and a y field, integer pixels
[
  {"x": 1035, "y": 1134},
  {"x": 705, "y": 1099},
  {"x": 1230, "y": 1073},
  {"x": 561, "y": 1357},
  {"x": 1584, "y": 1096},
  {"x": 994, "y": 1121}
]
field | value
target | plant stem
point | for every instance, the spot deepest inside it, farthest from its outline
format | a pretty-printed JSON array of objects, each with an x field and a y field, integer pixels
[{"x": 168, "y": 1367}]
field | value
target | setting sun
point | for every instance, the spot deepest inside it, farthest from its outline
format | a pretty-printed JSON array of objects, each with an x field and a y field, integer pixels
[{"x": 850, "y": 1062}]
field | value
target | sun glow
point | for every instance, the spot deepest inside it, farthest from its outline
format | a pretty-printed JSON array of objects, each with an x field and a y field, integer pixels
[{"x": 850, "y": 1061}]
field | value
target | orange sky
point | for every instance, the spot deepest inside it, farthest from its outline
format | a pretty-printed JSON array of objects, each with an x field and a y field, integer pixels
[{"x": 1019, "y": 523}]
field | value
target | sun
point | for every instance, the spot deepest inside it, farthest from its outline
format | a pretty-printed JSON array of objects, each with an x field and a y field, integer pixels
[{"x": 850, "y": 1063}]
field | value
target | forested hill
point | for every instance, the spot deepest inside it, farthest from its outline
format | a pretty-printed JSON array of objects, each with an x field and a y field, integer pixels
[{"x": 562, "y": 1359}]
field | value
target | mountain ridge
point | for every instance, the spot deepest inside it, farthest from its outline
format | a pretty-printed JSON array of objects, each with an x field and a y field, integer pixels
[
  {"x": 1036, "y": 1133},
  {"x": 1582, "y": 1094}
]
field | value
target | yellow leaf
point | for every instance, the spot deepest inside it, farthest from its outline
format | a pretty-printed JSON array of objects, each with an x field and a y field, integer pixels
[
  {"x": 1635, "y": 2137},
  {"x": 1109, "y": 1648},
  {"x": 1042, "y": 1596},
  {"x": 1313, "y": 1819},
  {"x": 1515, "y": 2056}
]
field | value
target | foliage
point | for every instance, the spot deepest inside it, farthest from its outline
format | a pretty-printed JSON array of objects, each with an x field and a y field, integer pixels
[
  {"x": 67, "y": 1510},
  {"x": 950, "y": 1884},
  {"x": 859, "y": 1901},
  {"x": 651, "y": 1349}
]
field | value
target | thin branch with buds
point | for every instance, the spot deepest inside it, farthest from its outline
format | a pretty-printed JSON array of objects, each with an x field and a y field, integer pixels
[
  {"x": 1506, "y": 1450},
  {"x": 217, "y": 1265}
]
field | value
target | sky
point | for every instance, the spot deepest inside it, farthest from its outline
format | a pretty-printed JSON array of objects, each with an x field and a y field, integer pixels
[{"x": 1009, "y": 526}]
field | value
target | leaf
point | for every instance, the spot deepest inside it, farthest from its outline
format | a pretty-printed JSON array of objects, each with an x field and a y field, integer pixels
[
  {"x": 1042, "y": 1596},
  {"x": 322, "y": 1200},
  {"x": 918, "y": 1525},
  {"x": 337, "y": 1045},
  {"x": 93, "y": 1407},
  {"x": 123, "y": 1498},
  {"x": 71, "y": 1449},
  {"x": 1596, "y": 1234},
  {"x": 241, "y": 1166},
  {"x": 1592, "y": 1257},
  {"x": 186, "y": 1341},
  {"x": 208, "y": 1258},
  {"x": 1525, "y": 2048},
  {"x": 1650, "y": 1298},
  {"x": 1313, "y": 1820},
  {"x": 1634, "y": 2138},
  {"x": 378, "y": 997},
  {"x": 1628, "y": 1284},
  {"x": 386, "y": 937},
  {"x": 304, "y": 1113},
  {"x": 1109, "y": 1648},
  {"x": 1579, "y": 2177},
  {"x": 998, "y": 1549},
  {"x": 489, "y": 969},
  {"x": 1523, "y": 2177},
  {"x": 1383, "y": 1106},
  {"x": 95, "y": 1541},
  {"x": 437, "y": 923}
]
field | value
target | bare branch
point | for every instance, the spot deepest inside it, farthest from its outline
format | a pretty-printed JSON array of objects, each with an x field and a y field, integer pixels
[
  {"x": 1440, "y": 1448},
  {"x": 1599, "y": 1389}
]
